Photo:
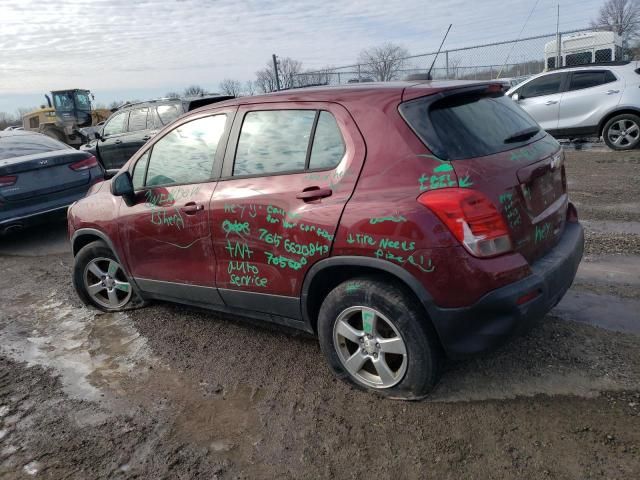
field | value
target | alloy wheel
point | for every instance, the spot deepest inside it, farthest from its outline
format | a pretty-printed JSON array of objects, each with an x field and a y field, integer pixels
[
  {"x": 370, "y": 347},
  {"x": 106, "y": 283},
  {"x": 623, "y": 133}
]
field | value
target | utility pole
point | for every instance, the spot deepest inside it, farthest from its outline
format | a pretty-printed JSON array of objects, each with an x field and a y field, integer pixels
[
  {"x": 558, "y": 54},
  {"x": 275, "y": 70}
]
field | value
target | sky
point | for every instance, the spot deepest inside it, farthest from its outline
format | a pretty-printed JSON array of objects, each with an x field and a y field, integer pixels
[{"x": 121, "y": 50}]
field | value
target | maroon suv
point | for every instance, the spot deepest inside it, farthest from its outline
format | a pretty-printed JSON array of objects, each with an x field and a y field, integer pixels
[{"x": 399, "y": 222}]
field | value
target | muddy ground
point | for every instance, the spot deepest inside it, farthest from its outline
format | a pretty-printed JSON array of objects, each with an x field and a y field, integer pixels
[{"x": 177, "y": 393}]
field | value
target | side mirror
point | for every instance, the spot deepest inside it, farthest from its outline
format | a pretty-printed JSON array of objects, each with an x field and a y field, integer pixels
[
  {"x": 122, "y": 186},
  {"x": 515, "y": 97},
  {"x": 97, "y": 135}
]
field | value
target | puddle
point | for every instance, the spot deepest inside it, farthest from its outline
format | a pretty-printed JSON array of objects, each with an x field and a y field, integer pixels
[
  {"x": 604, "y": 311},
  {"x": 610, "y": 269},
  {"x": 587, "y": 144},
  {"x": 89, "y": 350}
]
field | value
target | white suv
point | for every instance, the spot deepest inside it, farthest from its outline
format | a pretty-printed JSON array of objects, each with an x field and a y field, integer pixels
[{"x": 590, "y": 100}]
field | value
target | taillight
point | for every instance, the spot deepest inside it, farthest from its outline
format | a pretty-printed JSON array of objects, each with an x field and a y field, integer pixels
[
  {"x": 8, "y": 180},
  {"x": 472, "y": 218},
  {"x": 85, "y": 164}
]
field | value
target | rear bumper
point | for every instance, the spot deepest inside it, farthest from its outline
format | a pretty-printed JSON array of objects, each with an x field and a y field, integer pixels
[
  {"x": 31, "y": 214},
  {"x": 497, "y": 316}
]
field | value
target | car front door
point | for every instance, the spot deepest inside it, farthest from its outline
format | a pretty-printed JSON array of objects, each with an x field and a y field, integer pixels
[
  {"x": 140, "y": 131},
  {"x": 540, "y": 98},
  {"x": 110, "y": 145},
  {"x": 288, "y": 172},
  {"x": 165, "y": 230},
  {"x": 589, "y": 96}
]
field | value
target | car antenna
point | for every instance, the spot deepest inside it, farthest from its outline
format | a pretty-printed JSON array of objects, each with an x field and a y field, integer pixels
[{"x": 438, "y": 53}]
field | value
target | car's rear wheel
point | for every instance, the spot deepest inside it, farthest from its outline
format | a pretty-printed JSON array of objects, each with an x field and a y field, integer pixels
[
  {"x": 100, "y": 280},
  {"x": 375, "y": 336},
  {"x": 622, "y": 132}
]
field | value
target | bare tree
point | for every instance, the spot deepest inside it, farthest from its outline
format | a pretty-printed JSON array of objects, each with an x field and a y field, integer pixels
[
  {"x": 288, "y": 71},
  {"x": 383, "y": 62},
  {"x": 620, "y": 16},
  {"x": 249, "y": 88},
  {"x": 194, "y": 90},
  {"x": 173, "y": 95},
  {"x": 229, "y": 86}
]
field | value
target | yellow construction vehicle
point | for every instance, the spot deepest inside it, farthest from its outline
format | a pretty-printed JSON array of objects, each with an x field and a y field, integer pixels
[{"x": 62, "y": 119}]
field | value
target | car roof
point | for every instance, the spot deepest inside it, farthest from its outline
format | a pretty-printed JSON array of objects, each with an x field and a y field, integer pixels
[
  {"x": 346, "y": 92},
  {"x": 16, "y": 133}
]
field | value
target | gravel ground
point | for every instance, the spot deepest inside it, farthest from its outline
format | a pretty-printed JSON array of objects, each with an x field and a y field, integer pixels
[{"x": 174, "y": 392}]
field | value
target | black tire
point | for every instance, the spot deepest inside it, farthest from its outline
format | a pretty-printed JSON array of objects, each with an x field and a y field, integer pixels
[
  {"x": 98, "y": 251},
  {"x": 618, "y": 125},
  {"x": 423, "y": 351}
]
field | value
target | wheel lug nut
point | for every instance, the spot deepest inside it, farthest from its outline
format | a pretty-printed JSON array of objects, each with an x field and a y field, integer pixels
[
  {"x": 375, "y": 355},
  {"x": 377, "y": 345}
]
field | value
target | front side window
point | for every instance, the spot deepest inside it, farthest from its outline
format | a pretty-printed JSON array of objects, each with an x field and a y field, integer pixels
[
  {"x": 138, "y": 119},
  {"x": 116, "y": 124},
  {"x": 186, "y": 153},
  {"x": 82, "y": 101},
  {"x": 588, "y": 79},
  {"x": 273, "y": 141},
  {"x": 63, "y": 102},
  {"x": 546, "y": 85},
  {"x": 139, "y": 171}
]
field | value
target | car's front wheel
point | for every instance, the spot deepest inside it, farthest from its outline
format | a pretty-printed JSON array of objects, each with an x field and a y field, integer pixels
[
  {"x": 622, "y": 132},
  {"x": 375, "y": 336},
  {"x": 100, "y": 280}
]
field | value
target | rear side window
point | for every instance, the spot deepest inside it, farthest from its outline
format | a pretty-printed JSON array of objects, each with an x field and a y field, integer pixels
[
  {"x": 21, "y": 145},
  {"x": 546, "y": 85},
  {"x": 167, "y": 113},
  {"x": 328, "y": 146},
  {"x": 588, "y": 79},
  {"x": 273, "y": 141},
  {"x": 469, "y": 125},
  {"x": 186, "y": 153},
  {"x": 138, "y": 119},
  {"x": 116, "y": 124}
]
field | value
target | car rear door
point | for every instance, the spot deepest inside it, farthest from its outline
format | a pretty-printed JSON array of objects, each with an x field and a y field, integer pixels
[
  {"x": 140, "y": 130},
  {"x": 109, "y": 147},
  {"x": 589, "y": 95},
  {"x": 540, "y": 97},
  {"x": 165, "y": 230},
  {"x": 288, "y": 172}
]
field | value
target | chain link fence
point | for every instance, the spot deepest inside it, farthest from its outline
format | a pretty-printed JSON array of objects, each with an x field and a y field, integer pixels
[{"x": 507, "y": 59}]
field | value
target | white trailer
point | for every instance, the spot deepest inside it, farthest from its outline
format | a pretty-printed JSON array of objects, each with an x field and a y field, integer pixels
[{"x": 583, "y": 48}]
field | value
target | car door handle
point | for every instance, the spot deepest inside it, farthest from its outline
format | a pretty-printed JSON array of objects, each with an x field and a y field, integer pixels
[
  {"x": 611, "y": 92},
  {"x": 550, "y": 102},
  {"x": 118, "y": 142},
  {"x": 314, "y": 193},
  {"x": 192, "y": 208}
]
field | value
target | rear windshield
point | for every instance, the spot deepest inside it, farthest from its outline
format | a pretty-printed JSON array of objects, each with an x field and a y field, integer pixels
[
  {"x": 21, "y": 145},
  {"x": 470, "y": 125}
]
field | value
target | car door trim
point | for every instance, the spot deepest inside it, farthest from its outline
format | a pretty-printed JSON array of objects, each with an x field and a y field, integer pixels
[{"x": 163, "y": 290}]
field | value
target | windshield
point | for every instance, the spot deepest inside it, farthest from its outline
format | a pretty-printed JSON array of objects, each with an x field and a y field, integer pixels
[
  {"x": 68, "y": 101},
  {"x": 472, "y": 125}
]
